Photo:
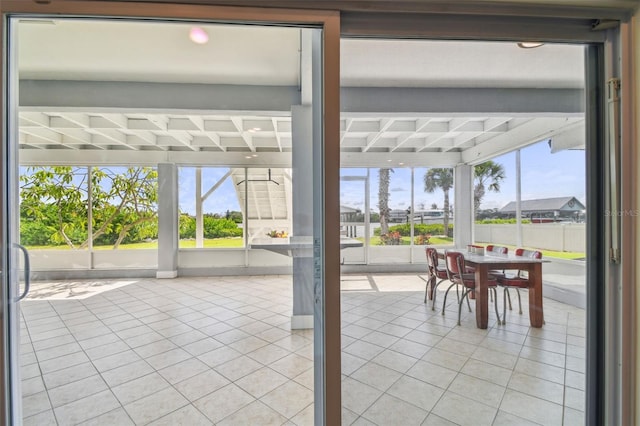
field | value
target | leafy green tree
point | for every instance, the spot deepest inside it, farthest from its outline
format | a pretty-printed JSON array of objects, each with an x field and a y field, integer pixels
[
  {"x": 443, "y": 179},
  {"x": 234, "y": 215},
  {"x": 56, "y": 198},
  {"x": 124, "y": 204},
  {"x": 187, "y": 226},
  {"x": 488, "y": 177}
]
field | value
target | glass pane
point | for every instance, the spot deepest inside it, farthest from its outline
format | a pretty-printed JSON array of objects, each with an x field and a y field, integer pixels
[
  {"x": 438, "y": 124},
  {"x": 170, "y": 200},
  {"x": 357, "y": 218},
  {"x": 219, "y": 206},
  {"x": 53, "y": 208}
]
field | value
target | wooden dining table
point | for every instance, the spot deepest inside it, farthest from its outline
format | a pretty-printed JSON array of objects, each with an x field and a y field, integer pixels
[{"x": 483, "y": 263}]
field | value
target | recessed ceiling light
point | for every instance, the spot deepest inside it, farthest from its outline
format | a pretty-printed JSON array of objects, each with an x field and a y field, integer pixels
[
  {"x": 401, "y": 164},
  {"x": 255, "y": 129},
  {"x": 198, "y": 35},
  {"x": 529, "y": 44},
  {"x": 254, "y": 155},
  {"x": 248, "y": 157}
]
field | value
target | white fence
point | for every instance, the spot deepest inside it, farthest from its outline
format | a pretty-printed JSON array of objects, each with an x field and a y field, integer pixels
[{"x": 552, "y": 236}]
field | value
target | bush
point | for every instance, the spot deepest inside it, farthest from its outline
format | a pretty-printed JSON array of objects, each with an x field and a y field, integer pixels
[
  {"x": 390, "y": 239},
  {"x": 404, "y": 229},
  {"x": 423, "y": 240},
  {"x": 35, "y": 233},
  {"x": 220, "y": 228},
  {"x": 214, "y": 227}
]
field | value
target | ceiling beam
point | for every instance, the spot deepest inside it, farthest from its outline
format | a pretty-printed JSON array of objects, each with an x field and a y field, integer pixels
[
  {"x": 448, "y": 101},
  {"x": 102, "y": 97},
  {"x": 413, "y": 159},
  {"x": 35, "y": 157},
  {"x": 525, "y": 134}
]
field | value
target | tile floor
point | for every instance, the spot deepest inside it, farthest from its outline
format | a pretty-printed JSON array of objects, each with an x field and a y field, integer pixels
[{"x": 219, "y": 350}]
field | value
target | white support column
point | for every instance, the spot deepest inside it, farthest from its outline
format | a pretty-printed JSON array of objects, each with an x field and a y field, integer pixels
[
  {"x": 518, "y": 201},
  {"x": 463, "y": 205},
  {"x": 302, "y": 206},
  {"x": 167, "y": 221},
  {"x": 199, "y": 218}
]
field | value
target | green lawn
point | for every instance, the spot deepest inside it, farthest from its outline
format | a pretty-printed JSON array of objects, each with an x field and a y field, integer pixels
[
  {"x": 570, "y": 255},
  {"x": 405, "y": 241},
  {"x": 215, "y": 243}
]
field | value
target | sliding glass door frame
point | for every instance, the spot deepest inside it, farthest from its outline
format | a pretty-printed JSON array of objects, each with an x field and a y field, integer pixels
[
  {"x": 326, "y": 179},
  {"x": 513, "y": 23},
  {"x": 609, "y": 370}
]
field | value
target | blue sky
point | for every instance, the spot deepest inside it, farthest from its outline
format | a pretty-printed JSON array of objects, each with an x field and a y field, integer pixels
[
  {"x": 544, "y": 175},
  {"x": 223, "y": 199}
]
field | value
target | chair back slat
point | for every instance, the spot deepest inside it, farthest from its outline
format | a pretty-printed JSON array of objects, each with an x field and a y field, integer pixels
[
  {"x": 432, "y": 257},
  {"x": 454, "y": 262},
  {"x": 497, "y": 249},
  {"x": 532, "y": 254}
]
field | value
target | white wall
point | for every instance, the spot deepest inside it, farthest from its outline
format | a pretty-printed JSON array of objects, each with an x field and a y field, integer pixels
[
  {"x": 53, "y": 260},
  {"x": 60, "y": 260},
  {"x": 556, "y": 236}
]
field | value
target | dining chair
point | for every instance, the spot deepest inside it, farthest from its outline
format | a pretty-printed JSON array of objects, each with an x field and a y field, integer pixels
[
  {"x": 436, "y": 272},
  {"x": 498, "y": 250},
  {"x": 457, "y": 274},
  {"x": 518, "y": 280}
]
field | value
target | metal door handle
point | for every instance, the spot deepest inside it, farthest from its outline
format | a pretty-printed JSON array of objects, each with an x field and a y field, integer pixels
[{"x": 27, "y": 270}]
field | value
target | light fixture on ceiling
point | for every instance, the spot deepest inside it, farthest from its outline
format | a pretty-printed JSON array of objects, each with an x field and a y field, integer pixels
[
  {"x": 198, "y": 35},
  {"x": 268, "y": 179},
  {"x": 529, "y": 44},
  {"x": 254, "y": 129}
]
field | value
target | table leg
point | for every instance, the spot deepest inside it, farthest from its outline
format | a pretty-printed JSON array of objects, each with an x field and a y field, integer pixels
[
  {"x": 432, "y": 284},
  {"x": 536, "y": 314},
  {"x": 482, "y": 296}
]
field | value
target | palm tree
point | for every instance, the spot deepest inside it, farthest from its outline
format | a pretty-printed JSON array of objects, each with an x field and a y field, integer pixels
[
  {"x": 383, "y": 200},
  {"x": 488, "y": 176},
  {"x": 443, "y": 179}
]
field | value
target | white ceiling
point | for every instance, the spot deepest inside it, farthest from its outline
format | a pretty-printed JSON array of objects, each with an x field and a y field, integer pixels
[
  {"x": 122, "y": 51},
  {"x": 157, "y": 52},
  {"x": 162, "y": 52},
  {"x": 416, "y": 63}
]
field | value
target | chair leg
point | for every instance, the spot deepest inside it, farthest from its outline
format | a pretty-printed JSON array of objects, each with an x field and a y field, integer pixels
[
  {"x": 504, "y": 305},
  {"x": 469, "y": 304},
  {"x": 446, "y": 293},
  {"x": 508, "y": 296},
  {"x": 434, "y": 293},
  {"x": 495, "y": 303},
  {"x": 519, "y": 301},
  {"x": 464, "y": 294},
  {"x": 426, "y": 289}
]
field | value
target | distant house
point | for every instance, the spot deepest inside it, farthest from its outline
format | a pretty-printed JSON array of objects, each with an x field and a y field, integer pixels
[
  {"x": 398, "y": 215},
  {"x": 348, "y": 214},
  {"x": 547, "y": 209}
]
